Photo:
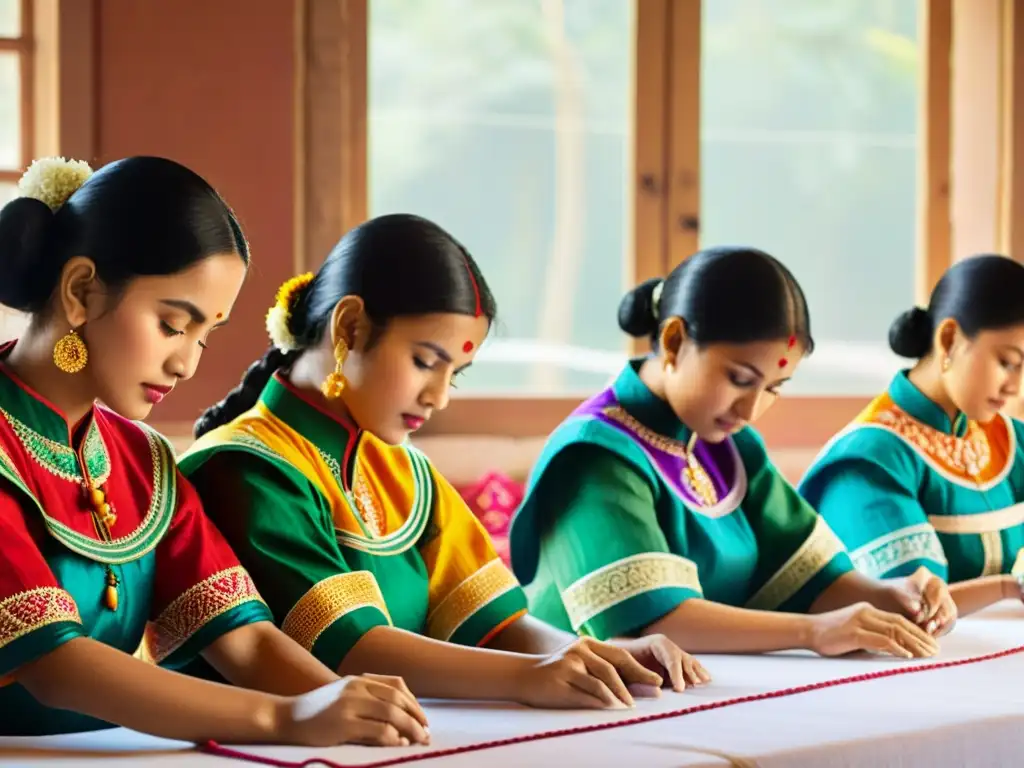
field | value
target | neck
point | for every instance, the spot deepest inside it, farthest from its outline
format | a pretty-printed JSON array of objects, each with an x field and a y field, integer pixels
[
  {"x": 927, "y": 377},
  {"x": 308, "y": 373},
  {"x": 31, "y": 360}
]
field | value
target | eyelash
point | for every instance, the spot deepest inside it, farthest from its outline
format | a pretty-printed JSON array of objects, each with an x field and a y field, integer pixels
[
  {"x": 746, "y": 384},
  {"x": 1011, "y": 367},
  {"x": 423, "y": 366},
  {"x": 170, "y": 330}
]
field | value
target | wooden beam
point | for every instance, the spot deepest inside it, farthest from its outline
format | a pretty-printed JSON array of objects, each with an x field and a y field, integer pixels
[
  {"x": 934, "y": 244},
  {"x": 1011, "y": 223},
  {"x": 684, "y": 130}
]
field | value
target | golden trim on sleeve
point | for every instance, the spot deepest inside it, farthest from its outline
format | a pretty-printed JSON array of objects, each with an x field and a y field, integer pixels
[
  {"x": 196, "y": 607},
  {"x": 982, "y": 522},
  {"x": 624, "y": 579},
  {"x": 915, "y": 542},
  {"x": 807, "y": 562},
  {"x": 33, "y": 609},
  {"x": 327, "y": 601},
  {"x": 474, "y": 592}
]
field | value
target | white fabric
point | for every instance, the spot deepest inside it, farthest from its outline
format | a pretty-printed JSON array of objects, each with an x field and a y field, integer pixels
[{"x": 967, "y": 715}]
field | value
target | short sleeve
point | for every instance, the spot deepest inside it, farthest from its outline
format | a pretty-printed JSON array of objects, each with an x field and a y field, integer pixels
[
  {"x": 472, "y": 594},
  {"x": 36, "y": 614},
  {"x": 200, "y": 592},
  {"x": 799, "y": 556},
  {"x": 878, "y": 517},
  {"x": 601, "y": 541},
  {"x": 283, "y": 533}
]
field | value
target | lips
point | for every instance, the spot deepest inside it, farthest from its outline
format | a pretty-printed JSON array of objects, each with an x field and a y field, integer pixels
[
  {"x": 726, "y": 425},
  {"x": 155, "y": 393},
  {"x": 412, "y": 423}
]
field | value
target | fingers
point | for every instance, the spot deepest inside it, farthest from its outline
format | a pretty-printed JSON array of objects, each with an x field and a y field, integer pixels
[
  {"x": 408, "y": 727},
  {"x": 908, "y": 636},
  {"x": 694, "y": 671},
  {"x": 590, "y": 692},
  {"x": 395, "y": 691},
  {"x": 607, "y": 674},
  {"x": 374, "y": 733},
  {"x": 630, "y": 670},
  {"x": 879, "y": 642}
]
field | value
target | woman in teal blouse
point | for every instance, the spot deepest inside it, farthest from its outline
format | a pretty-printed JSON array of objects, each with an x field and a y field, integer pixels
[
  {"x": 654, "y": 507},
  {"x": 930, "y": 474}
]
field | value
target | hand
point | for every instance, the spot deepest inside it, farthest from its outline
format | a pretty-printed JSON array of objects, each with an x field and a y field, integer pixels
[
  {"x": 659, "y": 654},
  {"x": 1013, "y": 587},
  {"x": 862, "y": 627},
  {"x": 585, "y": 674},
  {"x": 926, "y": 600},
  {"x": 369, "y": 709}
]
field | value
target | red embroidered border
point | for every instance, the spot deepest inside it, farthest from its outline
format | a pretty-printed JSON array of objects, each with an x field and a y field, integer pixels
[{"x": 222, "y": 751}]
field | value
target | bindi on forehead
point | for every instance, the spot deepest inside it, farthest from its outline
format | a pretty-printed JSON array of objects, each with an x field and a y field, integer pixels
[
  {"x": 784, "y": 361},
  {"x": 467, "y": 347}
]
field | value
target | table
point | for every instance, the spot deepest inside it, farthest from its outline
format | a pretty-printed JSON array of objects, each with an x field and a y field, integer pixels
[{"x": 968, "y": 714}]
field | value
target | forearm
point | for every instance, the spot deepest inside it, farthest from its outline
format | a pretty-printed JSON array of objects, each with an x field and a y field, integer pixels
[
  {"x": 701, "y": 626},
  {"x": 973, "y": 595},
  {"x": 855, "y": 587},
  {"x": 94, "y": 679},
  {"x": 435, "y": 669},
  {"x": 528, "y": 634},
  {"x": 262, "y": 657}
]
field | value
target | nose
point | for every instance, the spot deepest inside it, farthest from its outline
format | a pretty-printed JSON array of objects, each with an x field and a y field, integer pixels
[
  {"x": 436, "y": 394},
  {"x": 184, "y": 365},
  {"x": 747, "y": 407}
]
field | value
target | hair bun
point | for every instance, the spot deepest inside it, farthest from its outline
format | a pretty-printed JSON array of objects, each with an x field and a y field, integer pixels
[
  {"x": 637, "y": 314},
  {"x": 25, "y": 272},
  {"x": 910, "y": 334},
  {"x": 52, "y": 180}
]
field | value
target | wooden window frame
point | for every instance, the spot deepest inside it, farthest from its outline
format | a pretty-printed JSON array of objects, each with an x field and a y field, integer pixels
[
  {"x": 666, "y": 187},
  {"x": 24, "y": 46}
]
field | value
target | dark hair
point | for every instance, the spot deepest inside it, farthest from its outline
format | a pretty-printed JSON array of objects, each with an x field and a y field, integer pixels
[
  {"x": 728, "y": 294},
  {"x": 982, "y": 293},
  {"x": 134, "y": 217},
  {"x": 399, "y": 265}
]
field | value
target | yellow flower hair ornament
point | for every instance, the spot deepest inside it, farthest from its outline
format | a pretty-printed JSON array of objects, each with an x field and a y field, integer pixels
[
  {"x": 52, "y": 180},
  {"x": 280, "y": 314}
]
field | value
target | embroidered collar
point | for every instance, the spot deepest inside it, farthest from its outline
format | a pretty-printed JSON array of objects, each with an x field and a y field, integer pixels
[
  {"x": 918, "y": 405},
  {"x": 334, "y": 437},
  {"x": 44, "y": 431},
  {"x": 646, "y": 407}
]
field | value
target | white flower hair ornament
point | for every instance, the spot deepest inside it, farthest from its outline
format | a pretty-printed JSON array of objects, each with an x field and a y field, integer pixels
[
  {"x": 52, "y": 180},
  {"x": 280, "y": 314}
]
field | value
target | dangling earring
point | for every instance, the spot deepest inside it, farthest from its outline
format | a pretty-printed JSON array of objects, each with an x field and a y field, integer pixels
[
  {"x": 946, "y": 363},
  {"x": 334, "y": 384},
  {"x": 70, "y": 353}
]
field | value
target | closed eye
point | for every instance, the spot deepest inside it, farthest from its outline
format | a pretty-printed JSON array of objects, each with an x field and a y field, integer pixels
[{"x": 169, "y": 329}]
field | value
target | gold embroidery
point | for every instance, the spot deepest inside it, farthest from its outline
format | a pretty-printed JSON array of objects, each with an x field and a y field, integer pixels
[
  {"x": 969, "y": 455},
  {"x": 32, "y": 609},
  {"x": 329, "y": 600},
  {"x": 473, "y": 593},
  {"x": 623, "y": 579},
  {"x": 992, "y": 545},
  {"x": 693, "y": 475},
  {"x": 198, "y": 606},
  {"x": 882, "y": 555},
  {"x": 364, "y": 503},
  {"x": 1018, "y": 564},
  {"x": 814, "y": 554},
  {"x": 981, "y": 522}
]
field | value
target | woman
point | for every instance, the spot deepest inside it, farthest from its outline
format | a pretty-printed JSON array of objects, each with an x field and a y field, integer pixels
[
  {"x": 654, "y": 508},
  {"x": 125, "y": 274},
  {"x": 364, "y": 553},
  {"x": 930, "y": 475}
]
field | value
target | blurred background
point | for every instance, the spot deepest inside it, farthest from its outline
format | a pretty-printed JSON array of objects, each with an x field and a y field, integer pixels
[{"x": 574, "y": 146}]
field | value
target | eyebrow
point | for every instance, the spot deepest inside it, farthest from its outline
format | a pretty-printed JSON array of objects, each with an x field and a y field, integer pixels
[
  {"x": 194, "y": 312},
  {"x": 1014, "y": 348}
]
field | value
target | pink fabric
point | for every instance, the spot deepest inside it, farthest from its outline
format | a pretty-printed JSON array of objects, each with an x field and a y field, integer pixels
[{"x": 493, "y": 499}]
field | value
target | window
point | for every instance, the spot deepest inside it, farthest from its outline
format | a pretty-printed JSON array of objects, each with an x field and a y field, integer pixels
[
  {"x": 15, "y": 113},
  {"x": 809, "y": 146},
  {"x": 509, "y": 123}
]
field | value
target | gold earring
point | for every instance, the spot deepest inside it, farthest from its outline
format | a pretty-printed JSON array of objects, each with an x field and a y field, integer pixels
[
  {"x": 946, "y": 363},
  {"x": 334, "y": 384},
  {"x": 70, "y": 353}
]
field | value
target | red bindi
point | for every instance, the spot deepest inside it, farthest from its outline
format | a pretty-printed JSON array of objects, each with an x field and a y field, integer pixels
[
  {"x": 792, "y": 342},
  {"x": 467, "y": 347},
  {"x": 783, "y": 362},
  {"x": 220, "y": 315}
]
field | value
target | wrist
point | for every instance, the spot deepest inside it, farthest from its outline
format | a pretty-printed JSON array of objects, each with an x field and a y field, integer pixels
[
  {"x": 273, "y": 719},
  {"x": 516, "y": 681},
  {"x": 1011, "y": 587},
  {"x": 807, "y": 631}
]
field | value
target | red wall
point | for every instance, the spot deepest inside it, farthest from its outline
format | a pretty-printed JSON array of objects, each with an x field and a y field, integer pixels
[{"x": 209, "y": 83}]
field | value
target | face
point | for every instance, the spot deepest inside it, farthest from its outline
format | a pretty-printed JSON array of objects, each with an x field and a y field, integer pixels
[
  {"x": 406, "y": 375},
  {"x": 718, "y": 389},
  {"x": 984, "y": 373},
  {"x": 152, "y": 336}
]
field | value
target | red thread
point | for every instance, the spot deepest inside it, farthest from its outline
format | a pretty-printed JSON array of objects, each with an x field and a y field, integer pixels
[
  {"x": 468, "y": 346},
  {"x": 476, "y": 289},
  {"x": 216, "y": 749}
]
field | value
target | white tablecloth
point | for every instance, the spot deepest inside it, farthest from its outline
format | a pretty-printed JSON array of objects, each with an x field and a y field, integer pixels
[{"x": 964, "y": 715}]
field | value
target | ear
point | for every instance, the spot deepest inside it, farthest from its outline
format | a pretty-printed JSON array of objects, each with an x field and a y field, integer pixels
[
  {"x": 349, "y": 322},
  {"x": 78, "y": 291},
  {"x": 671, "y": 339},
  {"x": 945, "y": 336}
]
